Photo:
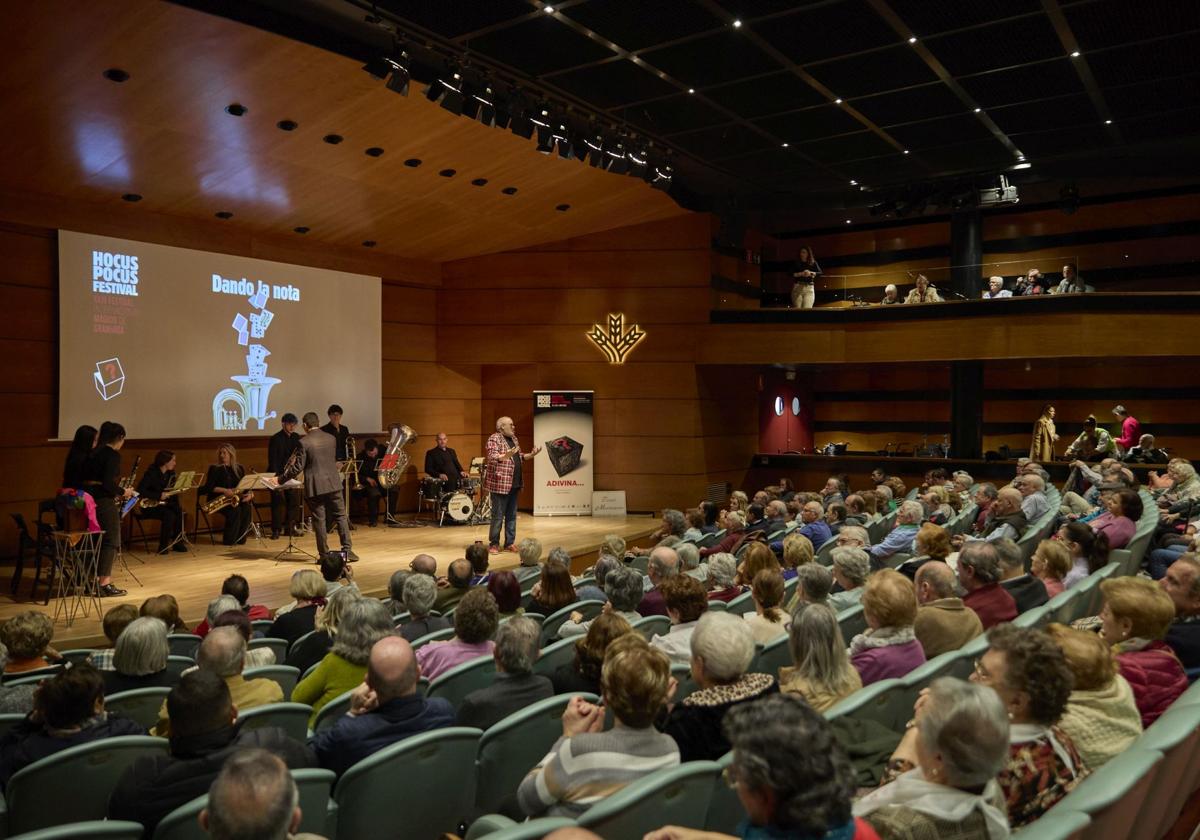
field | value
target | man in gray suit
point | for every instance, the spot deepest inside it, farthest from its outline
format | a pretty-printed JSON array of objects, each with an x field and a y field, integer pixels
[{"x": 322, "y": 484}]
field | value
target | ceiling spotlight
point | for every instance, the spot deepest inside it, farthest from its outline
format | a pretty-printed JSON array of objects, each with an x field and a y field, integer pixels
[
  {"x": 913, "y": 39},
  {"x": 853, "y": 183},
  {"x": 906, "y": 151},
  {"x": 1108, "y": 122},
  {"x": 378, "y": 67},
  {"x": 1026, "y": 165},
  {"x": 618, "y": 161},
  {"x": 784, "y": 146},
  {"x": 691, "y": 90},
  {"x": 978, "y": 110},
  {"x": 481, "y": 105},
  {"x": 638, "y": 160},
  {"x": 837, "y": 102},
  {"x": 737, "y": 23},
  {"x": 847, "y": 221},
  {"x": 548, "y": 9},
  {"x": 1020, "y": 156},
  {"x": 595, "y": 149},
  {"x": 1075, "y": 54}
]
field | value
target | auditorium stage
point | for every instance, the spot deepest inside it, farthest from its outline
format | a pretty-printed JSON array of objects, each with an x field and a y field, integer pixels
[{"x": 195, "y": 578}]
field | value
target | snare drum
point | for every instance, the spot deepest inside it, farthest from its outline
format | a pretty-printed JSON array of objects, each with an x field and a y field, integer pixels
[
  {"x": 458, "y": 506},
  {"x": 431, "y": 489}
]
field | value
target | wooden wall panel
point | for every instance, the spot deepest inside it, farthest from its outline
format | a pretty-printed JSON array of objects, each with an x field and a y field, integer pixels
[{"x": 1175, "y": 208}]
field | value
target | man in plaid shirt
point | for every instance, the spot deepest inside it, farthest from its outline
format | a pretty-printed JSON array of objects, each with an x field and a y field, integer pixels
[{"x": 504, "y": 481}]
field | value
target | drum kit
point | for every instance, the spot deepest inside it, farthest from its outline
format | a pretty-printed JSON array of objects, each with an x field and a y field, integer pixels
[{"x": 458, "y": 506}]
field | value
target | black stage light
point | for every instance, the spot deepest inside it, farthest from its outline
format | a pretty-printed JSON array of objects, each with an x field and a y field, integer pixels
[
  {"x": 453, "y": 98},
  {"x": 638, "y": 160},
  {"x": 595, "y": 150},
  {"x": 563, "y": 140},
  {"x": 400, "y": 77},
  {"x": 377, "y": 67},
  {"x": 662, "y": 177},
  {"x": 618, "y": 160},
  {"x": 480, "y": 105}
]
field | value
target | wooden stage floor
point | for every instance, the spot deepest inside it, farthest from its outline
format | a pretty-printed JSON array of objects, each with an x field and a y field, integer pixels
[{"x": 195, "y": 578}]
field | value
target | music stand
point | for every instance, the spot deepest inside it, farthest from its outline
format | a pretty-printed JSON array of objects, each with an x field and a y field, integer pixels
[
  {"x": 184, "y": 482},
  {"x": 291, "y": 547},
  {"x": 248, "y": 484}
]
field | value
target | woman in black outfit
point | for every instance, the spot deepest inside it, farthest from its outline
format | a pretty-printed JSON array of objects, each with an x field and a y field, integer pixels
[
  {"x": 806, "y": 274},
  {"x": 584, "y": 673},
  {"x": 154, "y": 483},
  {"x": 102, "y": 478},
  {"x": 77, "y": 456},
  {"x": 222, "y": 480}
]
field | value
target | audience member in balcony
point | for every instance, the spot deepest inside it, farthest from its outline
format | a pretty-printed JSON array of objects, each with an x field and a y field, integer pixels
[
  {"x": 623, "y": 590},
  {"x": 979, "y": 576},
  {"x": 1145, "y": 452},
  {"x": 583, "y": 674},
  {"x": 662, "y": 565},
  {"x": 956, "y": 744},
  {"x": 385, "y": 708},
  {"x": 140, "y": 658},
  {"x": 735, "y": 528},
  {"x": 686, "y": 602},
  {"x": 1131, "y": 429},
  {"x": 1182, "y": 584},
  {"x": 364, "y": 622},
  {"x": 889, "y": 647},
  {"x": 797, "y": 550},
  {"x": 767, "y": 621},
  {"x": 806, "y": 273},
  {"x": 1044, "y": 436},
  {"x": 68, "y": 711},
  {"x": 722, "y": 578},
  {"x": 923, "y": 292},
  {"x": 1088, "y": 550},
  {"x": 1051, "y": 563},
  {"x": 1027, "y": 591},
  {"x": 900, "y": 538},
  {"x": 204, "y": 735},
  {"x": 1119, "y": 521},
  {"x": 1033, "y": 283},
  {"x": 722, "y": 648},
  {"x": 851, "y": 568},
  {"x": 27, "y": 635},
  {"x": 588, "y": 764},
  {"x": 420, "y": 592},
  {"x": 1093, "y": 442},
  {"x": 943, "y": 621},
  {"x": 1071, "y": 282},
  {"x": 891, "y": 295},
  {"x": 1102, "y": 717},
  {"x": 996, "y": 289},
  {"x": 1030, "y": 674},
  {"x": 1137, "y": 614},
  {"x": 821, "y": 672},
  {"x": 475, "y": 622},
  {"x": 307, "y": 588},
  {"x": 813, "y": 582}
]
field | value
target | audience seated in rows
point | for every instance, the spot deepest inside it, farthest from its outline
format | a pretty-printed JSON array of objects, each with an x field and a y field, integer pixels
[
  {"x": 766, "y": 623},
  {"x": 850, "y": 569},
  {"x": 605, "y": 563},
  {"x": 943, "y": 622},
  {"x": 239, "y": 588},
  {"x": 113, "y": 624},
  {"x": 1088, "y": 550},
  {"x": 1005, "y": 519},
  {"x": 1119, "y": 521},
  {"x": 394, "y": 602},
  {"x": 755, "y": 558},
  {"x": 223, "y": 652},
  {"x": 1182, "y": 585},
  {"x": 475, "y": 622},
  {"x": 662, "y": 565},
  {"x": 166, "y": 609},
  {"x": 254, "y": 795},
  {"x": 821, "y": 671},
  {"x": 140, "y": 658},
  {"x": 457, "y": 584},
  {"x": 979, "y": 575},
  {"x": 623, "y": 592},
  {"x": 307, "y": 589},
  {"x": 1051, "y": 562},
  {"x": 364, "y": 622},
  {"x": 888, "y": 648},
  {"x": 813, "y": 584},
  {"x": 899, "y": 540},
  {"x": 685, "y": 601},
  {"x": 1102, "y": 716},
  {"x": 14, "y": 699},
  {"x": 735, "y": 527},
  {"x": 689, "y": 562},
  {"x": 310, "y": 650},
  {"x": 722, "y": 578},
  {"x": 797, "y": 550},
  {"x": 956, "y": 746},
  {"x": 204, "y": 735},
  {"x": 27, "y": 636},
  {"x": 555, "y": 589},
  {"x": 583, "y": 673},
  {"x": 1136, "y": 616},
  {"x": 477, "y": 555},
  {"x": 506, "y": 589},
  {"x": 588, "y": 763},
  {"x": 420, "y": 594},
  {"x": 529, "y": 550},
  {"x": 722, "y": 648},
  {"x": 68, "y": 711},
  {"x": 385, "y": 707},
  {"x": 1027, "y": 591},
  {"x": 515, "y": 685}
]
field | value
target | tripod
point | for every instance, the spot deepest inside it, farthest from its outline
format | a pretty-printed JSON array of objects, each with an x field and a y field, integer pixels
[{"x": 291, "y": 548}]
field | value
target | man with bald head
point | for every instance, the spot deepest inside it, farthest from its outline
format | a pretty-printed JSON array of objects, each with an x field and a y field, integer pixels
[
  {"x": 663, "y": 564},
  {"x": 943, "y": 622},
  {"x": 455, "y": 586},
  {"x": 423, "y": 564},
  {"x": 385, "y": 708},
  {"x": 441, "y": 463},
  {"x": 1005, "y": 519}
]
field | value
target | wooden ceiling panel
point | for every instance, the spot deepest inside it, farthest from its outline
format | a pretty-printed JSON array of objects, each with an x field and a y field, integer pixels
[{"x": 165, "y": 135}]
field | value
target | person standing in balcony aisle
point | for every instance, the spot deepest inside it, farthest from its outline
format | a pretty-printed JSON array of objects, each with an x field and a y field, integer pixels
[
  {"x": 1131, "y": 429},
  {"x": 1044, "y": 436},
  {"x": 806, "y": 274}
]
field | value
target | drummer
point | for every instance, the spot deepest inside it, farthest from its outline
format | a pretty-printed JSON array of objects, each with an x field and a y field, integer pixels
[{"x": 441, "y": 463}]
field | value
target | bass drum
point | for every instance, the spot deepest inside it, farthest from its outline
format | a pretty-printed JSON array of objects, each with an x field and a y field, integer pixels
[{"x": 459, "y": 507}]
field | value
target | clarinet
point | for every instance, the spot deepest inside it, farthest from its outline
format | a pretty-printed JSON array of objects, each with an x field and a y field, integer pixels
[{"x": 127, "y": 482}]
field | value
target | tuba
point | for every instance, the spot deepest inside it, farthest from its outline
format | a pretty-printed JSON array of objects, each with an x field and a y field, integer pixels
[{"x": 394, "y": 461}]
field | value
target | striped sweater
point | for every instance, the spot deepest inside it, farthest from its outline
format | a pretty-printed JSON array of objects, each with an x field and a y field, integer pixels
[{"x": 580, "y": 771}]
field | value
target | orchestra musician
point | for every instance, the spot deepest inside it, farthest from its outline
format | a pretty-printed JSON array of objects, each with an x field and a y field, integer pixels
[
  {"x": 340, "y": 433},
  {"x": 155, "y": 481},
  {"x": 322, "y": 483},
  {"x": 442, "y": 462},
  {"x": 368, "y": 476},
  {"x": 221, "y": 480},
  {"x": 102, "y": 478},
  {"x": 504, "y": 482},
  {"x": 287, "y": 503},
  {"x": 77, "y": 456}
]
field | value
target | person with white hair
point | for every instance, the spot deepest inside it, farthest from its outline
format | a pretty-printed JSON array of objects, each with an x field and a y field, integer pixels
[
  {"x": 900, "y": 538},
  {"x": 689, "y": 561},
  {"x": 996, "y": 289},
  {"x": 891, "y": 295},
  {"x": 623, "y": 591},
  {"x": 1034, "y": 503},
  {"x": 851, "y": 566},
  {"x": 530, "y": 551},
  {"x": 515, "y": 685},
  {"x": 722, "y": 648},
  {"x": 813, "y": 583},
  {"x": 722, "y": 577},
  {"x": 139, "y": 658},
  {"x": 821, "y": 672},
  {"x": 662, "y": 565},
  {"x": 957, "y": 744},
  {"x": 503, "y": 481}
]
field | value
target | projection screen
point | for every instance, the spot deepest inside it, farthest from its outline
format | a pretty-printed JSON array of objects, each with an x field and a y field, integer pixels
[{"x": 177, "y": 343}]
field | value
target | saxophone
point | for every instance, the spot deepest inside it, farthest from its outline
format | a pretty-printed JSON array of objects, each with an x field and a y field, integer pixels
[
  {"x": 393, "y": 462},
  {"x": 220, "y": 503}
]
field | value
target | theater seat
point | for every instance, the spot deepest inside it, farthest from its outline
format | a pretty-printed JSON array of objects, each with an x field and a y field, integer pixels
[
  {"x": 671, "y": 796},
  {"x": 98, "y": 829},
  {"x": 498, "y": 827}
]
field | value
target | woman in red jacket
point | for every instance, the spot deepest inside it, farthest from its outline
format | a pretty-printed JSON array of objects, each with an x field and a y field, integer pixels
[{"x": 1136, "y": 616}]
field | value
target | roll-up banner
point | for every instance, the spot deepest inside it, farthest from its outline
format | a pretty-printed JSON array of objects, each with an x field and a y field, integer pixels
[{"x": 562, "y": 426}]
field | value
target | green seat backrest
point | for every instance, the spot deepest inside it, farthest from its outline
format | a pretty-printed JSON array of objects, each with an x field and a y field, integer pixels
[
  {"x": 139, "y": 704},
  {"x": 653, "y": 625},
  {"x": 554, "y": 655},
  {"x": 774, "y": 655},
  {"x": 292, "y": 718},
  {"x": 671, "y": 796},
  {"x": 89, "y": 830},
  {"x": 331, "y": 711},
  {"x": 589, "y": 610},
  {"x": 1114, "y": 794},
  {"x": 285, "y": 676},
  {"x": 461, "y": 680},
  {"x": 1057, "y": 824}
]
